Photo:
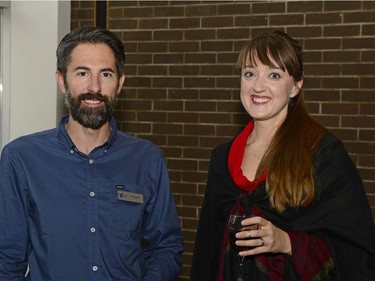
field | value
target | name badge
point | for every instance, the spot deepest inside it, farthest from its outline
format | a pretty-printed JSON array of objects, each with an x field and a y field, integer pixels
[{"x": 129, "y": 196}]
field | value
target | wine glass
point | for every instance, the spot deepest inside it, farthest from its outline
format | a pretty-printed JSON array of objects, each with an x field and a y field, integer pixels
[{"x": 235, "y": 226}]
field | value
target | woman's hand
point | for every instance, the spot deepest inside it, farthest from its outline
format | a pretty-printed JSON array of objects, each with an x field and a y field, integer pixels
[{"x": 266, "y": 239}]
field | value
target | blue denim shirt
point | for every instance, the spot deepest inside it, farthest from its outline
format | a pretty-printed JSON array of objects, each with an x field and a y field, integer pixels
[{"x": 76, "y": 217}]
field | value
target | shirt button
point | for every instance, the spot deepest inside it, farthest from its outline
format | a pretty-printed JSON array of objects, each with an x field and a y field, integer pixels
[
  {"x": 92, "y": 229},
  {"x": 91, "y": 161},
  {"x": 92, "y": 193},
  {"x": 71, "y": 151},
  {"x": 94, "y": 268}
]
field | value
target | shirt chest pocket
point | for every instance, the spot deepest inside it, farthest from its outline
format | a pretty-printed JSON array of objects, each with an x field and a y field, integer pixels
[{"x": 128, "y": 208}]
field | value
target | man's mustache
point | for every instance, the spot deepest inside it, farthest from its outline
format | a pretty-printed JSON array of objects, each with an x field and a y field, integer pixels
[{"x": 92, "y": 96}]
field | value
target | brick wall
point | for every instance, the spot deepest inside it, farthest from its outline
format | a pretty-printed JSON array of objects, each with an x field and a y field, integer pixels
[{"x": 182, "y": 91}]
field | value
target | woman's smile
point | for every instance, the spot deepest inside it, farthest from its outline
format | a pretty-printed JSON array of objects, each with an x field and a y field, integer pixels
[{"x": 259, "y": 100}]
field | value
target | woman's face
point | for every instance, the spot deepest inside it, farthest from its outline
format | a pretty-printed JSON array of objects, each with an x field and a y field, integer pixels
[{"x": 266, "y": 91}]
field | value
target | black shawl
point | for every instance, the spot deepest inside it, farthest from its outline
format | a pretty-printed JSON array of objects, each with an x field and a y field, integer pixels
[{"x": 340, "y": 212}]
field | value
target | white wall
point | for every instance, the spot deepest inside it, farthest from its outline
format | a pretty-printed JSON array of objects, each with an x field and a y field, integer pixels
[
  {"x": 4, "y": 71},
  {"x": 36, "y": 27}
]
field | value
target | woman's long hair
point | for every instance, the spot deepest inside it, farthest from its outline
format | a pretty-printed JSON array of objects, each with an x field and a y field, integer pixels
[{"x": 288, "y": 160}]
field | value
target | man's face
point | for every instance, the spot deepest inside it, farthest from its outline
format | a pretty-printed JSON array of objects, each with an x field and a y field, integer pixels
[
  {"x": 90, "y": 117},
  {"x": 92, "y": 85}
]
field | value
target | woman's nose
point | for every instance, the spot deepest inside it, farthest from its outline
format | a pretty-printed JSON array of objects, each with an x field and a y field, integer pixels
[{"x": 259, "y": 84}]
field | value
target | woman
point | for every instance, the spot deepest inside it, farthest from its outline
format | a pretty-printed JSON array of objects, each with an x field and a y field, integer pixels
[{"x": 289, "y": 176}]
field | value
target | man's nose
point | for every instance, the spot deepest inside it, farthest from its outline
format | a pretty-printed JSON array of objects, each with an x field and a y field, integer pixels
[{"x": 94, "y": 85}]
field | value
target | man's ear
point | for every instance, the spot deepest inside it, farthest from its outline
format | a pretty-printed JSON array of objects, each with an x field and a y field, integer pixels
[
  {"x": 60, "y": 81},
  {"x": 296, "y": 89},
  {"x": 120, "y": 83}
]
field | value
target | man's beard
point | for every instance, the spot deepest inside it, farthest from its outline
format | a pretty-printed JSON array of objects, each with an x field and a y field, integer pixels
[{"x": 90, "y": 117}]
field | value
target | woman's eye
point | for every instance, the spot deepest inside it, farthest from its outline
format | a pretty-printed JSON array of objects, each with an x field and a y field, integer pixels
[
  {"x": 248, "y": 74},
  {"x": 275, "y": 76}
]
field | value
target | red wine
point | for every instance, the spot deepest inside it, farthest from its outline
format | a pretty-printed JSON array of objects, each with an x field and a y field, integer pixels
[{"x": 236, "y": 226}]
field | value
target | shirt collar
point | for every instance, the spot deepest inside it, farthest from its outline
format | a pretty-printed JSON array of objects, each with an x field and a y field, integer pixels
[{"x": 64, "y": 138}]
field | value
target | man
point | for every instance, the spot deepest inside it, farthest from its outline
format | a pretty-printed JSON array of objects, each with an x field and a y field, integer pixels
[{"x": 85, "y": 201}]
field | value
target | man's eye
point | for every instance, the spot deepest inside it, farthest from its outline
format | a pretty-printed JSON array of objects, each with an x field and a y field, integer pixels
[
  {"x": 107, "y": 74},
  {"x": 82, "y": 73}
]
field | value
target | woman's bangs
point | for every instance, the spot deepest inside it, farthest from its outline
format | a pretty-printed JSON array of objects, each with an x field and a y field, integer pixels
[{"x": 266, "y": 56}]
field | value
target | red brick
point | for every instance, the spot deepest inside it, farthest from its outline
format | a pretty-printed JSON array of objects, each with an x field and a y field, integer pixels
[
  {"x": 343, "y": 56},
  {"x": 169, "y": 105},
  {"x": 210, "y": 22},
  {"x": 367, "y": 108},
  {"x": 360, "y": 69},
  {"x": 199, "y": 82},
  {"x": 153, "y": 23},
  {"x": 200, "y": 106},
  {"x": 358, "y": 95},
  {"x": 268, "y": 8},
  {"x": 330, "y": 121},
  {"x": 217, "y": 46},
  {"x": 323, "y": 18},
  {"x": 286, "y": 19},
  {"x": 168, "y": 35},
  {"x": 167, "y": 58},
  {"x": 137, "y": 12},
  {"x": 154, "y": 116},
  {"x": 340, "y": 82},
  {"x": 344, "y": 30},
  {"x": 234, "y": 9},
  {"x": 168, "y": 11},
  {"x": 162, "y": 128},
  {"x": 152, "y": 70},
  {"x": 322, "y": 43},
  {"x": 251, "y": 20},
  {"x": 183, "y": 46},
  {"x": 367, "y": 83},
  {"x": 200, "y": 34},
  {"x": 200, "y": 10},
  {"x": 304, "y": 6},
  {"x": 176, "y": 23},
  {"x": 358, "y": 43},
  {"x": 368, "y": 29},
  {"x": 322, "y": 69},
  {"x": 367, "y": 134},
  {"x": 231, "y": 33},
  {"x": 341, "y": 5},
  {"x": 345, "y": 134},
  {"x": 167, "y": 82},
  {"x": 183, "y": 117},
  {"x": 184, "y": 70},
  {"x": 358, "y": 121},
  {"x": 120, "y": 23},
  {"x": 137, "y": 35},
  {"x": 359, "y": 17},
  {"x": 303, "y": 31}
]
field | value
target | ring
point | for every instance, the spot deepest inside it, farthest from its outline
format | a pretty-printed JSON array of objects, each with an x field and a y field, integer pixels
[{"x": 263, "y": 243}]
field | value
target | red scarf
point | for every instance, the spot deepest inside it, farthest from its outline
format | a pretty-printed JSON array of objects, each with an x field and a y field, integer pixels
[{"x": 235, "y": 159}]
